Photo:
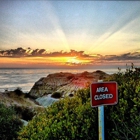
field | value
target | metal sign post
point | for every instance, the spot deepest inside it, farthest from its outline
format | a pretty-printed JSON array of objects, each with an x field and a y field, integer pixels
[
  {"x": 103, "y": 93},
  {"x": 101, "y": 120}
]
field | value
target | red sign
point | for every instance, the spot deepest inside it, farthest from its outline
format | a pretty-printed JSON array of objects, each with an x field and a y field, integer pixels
[{"x": 104, "y": 93}]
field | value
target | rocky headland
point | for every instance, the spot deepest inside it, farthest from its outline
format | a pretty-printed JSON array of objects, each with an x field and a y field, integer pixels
[
  {"x": 50, "y": 89},
  {"x": 65, "y": 83},
  {"x": 60, "y": 85}
]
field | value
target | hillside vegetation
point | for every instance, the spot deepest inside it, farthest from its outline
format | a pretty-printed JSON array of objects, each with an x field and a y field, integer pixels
[
  {"x": 10, "y": 124},
  {"x": 74, "y": 119}
]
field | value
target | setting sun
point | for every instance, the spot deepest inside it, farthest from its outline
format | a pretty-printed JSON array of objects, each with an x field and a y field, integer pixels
[
  {"x": 73, "y": 60},
  {"x": 77, "y": 61}
]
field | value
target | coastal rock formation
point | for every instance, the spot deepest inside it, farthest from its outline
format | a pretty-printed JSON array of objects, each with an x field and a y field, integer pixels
[{"x": 65, "y": 83}]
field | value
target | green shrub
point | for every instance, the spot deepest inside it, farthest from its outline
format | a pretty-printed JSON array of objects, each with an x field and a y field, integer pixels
[
  {"x": 83, "y": 94},
  {"x": 74, "y": 119},
  {"x": 68, "y": 119},
  {"x": 124, "y": 118},
  {"x": 9, "y": 123}
]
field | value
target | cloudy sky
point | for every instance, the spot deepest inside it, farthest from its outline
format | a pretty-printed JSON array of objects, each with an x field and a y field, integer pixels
[{"x": 102, "y": 30}]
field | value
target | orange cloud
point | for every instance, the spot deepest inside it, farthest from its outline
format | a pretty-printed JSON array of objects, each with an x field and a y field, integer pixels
[{"x": 40, "y": 58}]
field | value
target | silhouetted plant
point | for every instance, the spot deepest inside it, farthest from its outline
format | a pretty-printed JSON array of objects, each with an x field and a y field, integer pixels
[{"x": 18, "y": 91}]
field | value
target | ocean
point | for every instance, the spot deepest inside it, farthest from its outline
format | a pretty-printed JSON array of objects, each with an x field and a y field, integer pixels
[{"x": 10, "y": 79}]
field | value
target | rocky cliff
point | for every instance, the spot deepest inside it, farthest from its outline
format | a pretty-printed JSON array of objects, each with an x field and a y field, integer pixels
[{"x": 65, "y": 83}]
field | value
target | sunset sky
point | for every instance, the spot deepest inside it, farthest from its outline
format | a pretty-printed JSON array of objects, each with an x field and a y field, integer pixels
[{"x": 71, "y": 33}]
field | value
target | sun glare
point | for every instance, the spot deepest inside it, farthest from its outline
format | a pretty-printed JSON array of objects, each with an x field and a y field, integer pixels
[{"x": 73, "y": 60}]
